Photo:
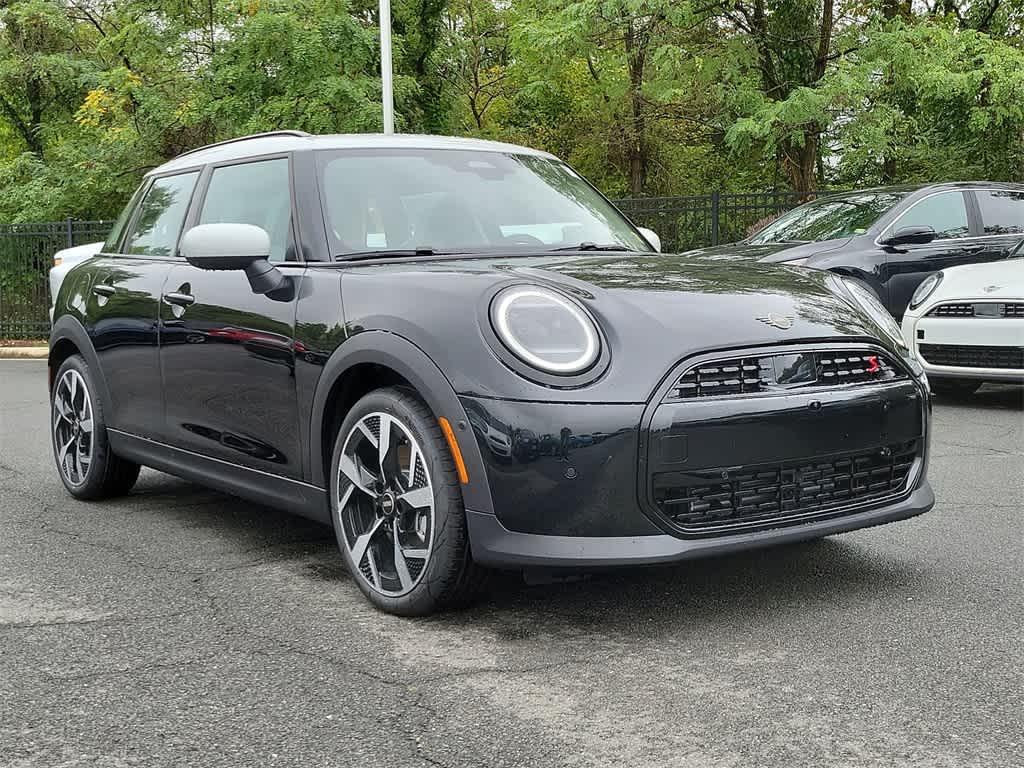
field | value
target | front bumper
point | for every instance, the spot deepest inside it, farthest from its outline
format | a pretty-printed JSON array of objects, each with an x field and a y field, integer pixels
[
  {"x": 964, "y": 332},
  {"x": 579, "y": 484},
  {"x": 496, "y": 546}
]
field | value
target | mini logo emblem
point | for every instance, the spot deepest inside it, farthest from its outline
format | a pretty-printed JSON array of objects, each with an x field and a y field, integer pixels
[
  {"x": 991, "y": 288},
  {"x": 782, "y": 322}
]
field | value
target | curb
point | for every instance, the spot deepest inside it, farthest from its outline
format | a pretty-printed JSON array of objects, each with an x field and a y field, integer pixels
[{"x": 24, "y": 353}]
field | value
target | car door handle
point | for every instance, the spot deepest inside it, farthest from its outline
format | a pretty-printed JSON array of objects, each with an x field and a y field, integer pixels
[
  {"x": 974, "y": 248},
  {"x": 102, "y": 289},
  {"x": 179, "y": 299}
]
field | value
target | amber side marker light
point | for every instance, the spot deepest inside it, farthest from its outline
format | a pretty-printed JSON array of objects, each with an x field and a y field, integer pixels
[{"x": 453, "y": 444}]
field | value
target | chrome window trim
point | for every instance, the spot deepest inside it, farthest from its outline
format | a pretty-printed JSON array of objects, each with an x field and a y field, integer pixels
[{"x": 891, "y": 225}]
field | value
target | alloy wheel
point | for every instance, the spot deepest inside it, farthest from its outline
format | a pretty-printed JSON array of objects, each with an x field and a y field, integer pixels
[
  {"x": 385, "y": 502},
  {"x": 73, "y": 427}
]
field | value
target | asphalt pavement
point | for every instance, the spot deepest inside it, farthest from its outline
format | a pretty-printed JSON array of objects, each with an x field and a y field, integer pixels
[{"x": 183, "y": 627}]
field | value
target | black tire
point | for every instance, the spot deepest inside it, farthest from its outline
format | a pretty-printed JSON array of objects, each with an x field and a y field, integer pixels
[
  {"x": 449, "y": 578},
  {"x": 106, "y": 475},
  {"x": 954, "y": 387}
]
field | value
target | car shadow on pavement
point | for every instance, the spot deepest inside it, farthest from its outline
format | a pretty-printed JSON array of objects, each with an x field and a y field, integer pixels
[
  {"x": 642, "y": 601},
  {"x": 636, "y": 600},
  {"x": 1007, "y": 397}
]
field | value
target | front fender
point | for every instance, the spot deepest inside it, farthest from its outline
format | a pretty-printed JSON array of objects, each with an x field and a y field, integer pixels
[
  {"x": 410, "y": 362},
  {"x": 68, "y": 328}
]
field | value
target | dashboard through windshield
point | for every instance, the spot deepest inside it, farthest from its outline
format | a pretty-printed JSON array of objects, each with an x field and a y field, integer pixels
[{"x": 460, "y": 201}]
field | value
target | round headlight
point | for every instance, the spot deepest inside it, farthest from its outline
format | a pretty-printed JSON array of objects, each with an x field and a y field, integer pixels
[
  {"x": 925, "y": 289},
  {"x": 545, "y": 329},
  {"x": 867, "y": 300}
]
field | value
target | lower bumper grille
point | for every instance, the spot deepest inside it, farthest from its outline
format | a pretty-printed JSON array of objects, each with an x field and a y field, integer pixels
[
  {"x": 768, "y": 495},
  {"x": 962, "y": 356}
]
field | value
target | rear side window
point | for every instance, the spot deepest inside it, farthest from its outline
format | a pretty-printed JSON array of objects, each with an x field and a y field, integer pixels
[
  {"x": 946, "y": 213},
  {"x": 121, "y": 222},
  {"x": 162, "y": 212},
  {"x": 1002, "y": 212},
  {"x": 252, "y": 193}
]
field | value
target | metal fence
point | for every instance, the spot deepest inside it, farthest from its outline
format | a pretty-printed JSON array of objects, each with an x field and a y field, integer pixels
[
  {"x": 697, "y": 221},
  {"x": 26, "y": 255},
  {"x": 683, "y": 223}
]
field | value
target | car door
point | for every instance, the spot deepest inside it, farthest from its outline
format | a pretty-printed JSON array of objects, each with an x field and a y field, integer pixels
[
  {"x": 907, "y": 265},
  {"x": 1001, "y": 212},
  {"x": 226, "y": 353},
  {"x": 122, "y": 306}
]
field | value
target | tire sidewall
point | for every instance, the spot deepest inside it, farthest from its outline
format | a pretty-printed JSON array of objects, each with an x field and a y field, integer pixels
[
  {"x": 449, "y": 513},
  {"x": 94, "y": 476}
]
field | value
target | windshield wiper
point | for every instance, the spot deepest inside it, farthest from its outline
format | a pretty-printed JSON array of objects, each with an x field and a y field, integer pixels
[
  {"x": 588, "y": 246},
  {"x": 397, "y": 253}
]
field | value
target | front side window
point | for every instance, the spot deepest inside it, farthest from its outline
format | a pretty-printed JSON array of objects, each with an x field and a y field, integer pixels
[
  {"x": 161, "y": 214},
  {"x": 114, "y": 238},
  {"x": 1002, "y": 212},
  {"x": 946, "y": 213},
  {"x": 252, "y": 193},
  {"x": 462, "y": 201},
  {"x": 829, "y": 219}
]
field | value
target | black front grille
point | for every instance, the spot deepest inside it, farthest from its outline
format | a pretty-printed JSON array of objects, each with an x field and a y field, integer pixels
[
  {"x": 978, "y": 309},
  {"x": 953, "y": 310},
  {"x": 783, "y": 371},
  {"x": 730, "y": 377},
  {"x": 963, "y": 356},
  {"x": 767, "y": 495}
]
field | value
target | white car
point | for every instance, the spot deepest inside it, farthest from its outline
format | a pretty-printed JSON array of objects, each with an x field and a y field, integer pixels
[
  {"x": 966, "y": 325},
  {"x": 63, "y": 261}
]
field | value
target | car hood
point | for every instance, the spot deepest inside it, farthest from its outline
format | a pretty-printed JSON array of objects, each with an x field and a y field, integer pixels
[
  {"x": 994, "y": 280},
  {"x": 768, "y": 252},
  {"x": 78, "y": 252},
  {"x": 654, "y": 311},
  {"x": 722, "y": 300}
]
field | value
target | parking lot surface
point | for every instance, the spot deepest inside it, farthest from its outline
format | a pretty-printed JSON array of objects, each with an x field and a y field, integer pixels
[{"x": 180, "y": 626}]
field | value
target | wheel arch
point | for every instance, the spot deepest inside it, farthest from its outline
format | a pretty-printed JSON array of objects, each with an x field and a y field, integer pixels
[
  {"x": 68, "y": 337},
  {"x": 375, "y": 359}
]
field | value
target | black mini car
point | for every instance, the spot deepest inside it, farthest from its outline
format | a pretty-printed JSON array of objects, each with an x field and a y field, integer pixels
[
  {"x": 461, "y": 356},
  {"x": 892, "y": 238}
]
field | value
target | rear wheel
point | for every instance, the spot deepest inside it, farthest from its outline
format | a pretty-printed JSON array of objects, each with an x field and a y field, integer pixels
[
  {"x": 87, "y": 466},
  {"x": 397, "y": 507},
  {"x": 954, "y": 387}
]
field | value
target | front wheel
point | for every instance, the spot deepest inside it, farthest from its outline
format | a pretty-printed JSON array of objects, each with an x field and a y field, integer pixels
[
  {"x": 397, "y": 507},
  {"x": 954, "y": 387}
]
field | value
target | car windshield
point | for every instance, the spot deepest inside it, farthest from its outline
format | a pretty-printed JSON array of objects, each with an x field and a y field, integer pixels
[
  {"x": 458, "y": 201},
  {"x": 829, "y": 219}
]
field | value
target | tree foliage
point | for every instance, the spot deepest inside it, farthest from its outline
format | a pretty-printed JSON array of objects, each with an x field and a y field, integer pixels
[{"x": 645, "y": 97}]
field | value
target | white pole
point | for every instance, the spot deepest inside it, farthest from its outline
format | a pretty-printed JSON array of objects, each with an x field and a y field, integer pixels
[{"x": 387, "y": 91}]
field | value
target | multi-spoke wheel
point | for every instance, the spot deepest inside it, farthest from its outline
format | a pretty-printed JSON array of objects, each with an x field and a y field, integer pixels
[
  {"x": 72, "y": 427},
  {"x": 397, "y": 506},
  {"x": 87, "y": 466},
  {"x": 386, "y": 503}
]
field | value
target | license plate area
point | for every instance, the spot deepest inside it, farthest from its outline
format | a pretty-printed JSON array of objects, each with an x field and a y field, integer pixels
[{"x": 719, "y": 465}]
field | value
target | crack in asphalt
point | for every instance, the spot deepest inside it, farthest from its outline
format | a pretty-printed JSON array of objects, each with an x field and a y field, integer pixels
[
  {"x": 105, "y": 620},
  {"x": 127, "y": 671}
]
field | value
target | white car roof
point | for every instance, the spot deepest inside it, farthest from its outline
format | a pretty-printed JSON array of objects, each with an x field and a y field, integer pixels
[{"x": 290, "y": 141}]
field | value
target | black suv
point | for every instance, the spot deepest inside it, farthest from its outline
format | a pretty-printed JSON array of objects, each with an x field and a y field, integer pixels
[
  {"x": 892, "y": 238},
  {"x": 459, "y": 354}
]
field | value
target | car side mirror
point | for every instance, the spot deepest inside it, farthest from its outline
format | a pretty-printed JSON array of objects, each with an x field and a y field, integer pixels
[
  {"x": 910, "y": 236},
  {"x": 221, "y": 247},
  {"x": 651, "y": 237}
]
